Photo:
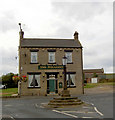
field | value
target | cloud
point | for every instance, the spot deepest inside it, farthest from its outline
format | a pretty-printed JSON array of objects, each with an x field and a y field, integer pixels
[
  {"x": 94, "y": 24},
  {"x": 56, "y": 19},
  {"x": 78, "y": 10},
  {"x": 7, "y": 21},
  {"x": 8, "y": 61},
  {"x": 64, "y": 31}
]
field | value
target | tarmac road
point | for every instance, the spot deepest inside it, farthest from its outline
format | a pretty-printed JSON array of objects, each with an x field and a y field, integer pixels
[
  {"x": 103, "y": 103},
  {"x": 28, "y": 107},
  {"x": 100, "y": 105}
]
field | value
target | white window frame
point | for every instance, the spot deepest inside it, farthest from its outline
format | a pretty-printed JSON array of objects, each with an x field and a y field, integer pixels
[
  {"x": 37, "y": 77},
  {"x": 51, "y": 54},
  {"x": 69, "y": 57},
  {"x": 34, "y": 54}
]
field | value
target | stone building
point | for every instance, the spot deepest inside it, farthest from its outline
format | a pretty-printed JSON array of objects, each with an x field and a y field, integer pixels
[
  {"x": 91, "y": 73},
  {"x": 40, "y": 59},
  {"x": 99, "y": 74}
]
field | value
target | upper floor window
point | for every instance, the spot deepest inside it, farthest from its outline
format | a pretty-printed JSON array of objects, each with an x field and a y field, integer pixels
[
  {"x": 34, "y": 57},
  {"x": 69, "y": 57},
  {"x": 51, "y": 57}
]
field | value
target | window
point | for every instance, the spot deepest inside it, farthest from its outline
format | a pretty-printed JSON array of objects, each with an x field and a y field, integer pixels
[
  {"x": 34, "y": 80},
  {"x": 69, "y": 57},
  {"x": 51, "y": 57},
  {"x": 34, "y": 57},
  {"x": 70, "y": 80}
]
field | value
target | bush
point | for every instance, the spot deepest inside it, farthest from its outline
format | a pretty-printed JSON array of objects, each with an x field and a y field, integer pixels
[
  {"x": 7, "y": 80},
  {"x": 106, "y": 80}
]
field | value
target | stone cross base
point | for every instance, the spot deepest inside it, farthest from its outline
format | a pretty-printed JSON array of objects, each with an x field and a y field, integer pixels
[{"x": 65, "y": 93}]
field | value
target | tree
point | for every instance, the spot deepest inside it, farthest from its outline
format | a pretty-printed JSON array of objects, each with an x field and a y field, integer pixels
[
  {"x": 1, "y": 80},
  {"x": 7, "y": 80}
]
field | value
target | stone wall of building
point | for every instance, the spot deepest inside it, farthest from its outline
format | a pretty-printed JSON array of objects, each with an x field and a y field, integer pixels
[{"x": 26, "y": 66}]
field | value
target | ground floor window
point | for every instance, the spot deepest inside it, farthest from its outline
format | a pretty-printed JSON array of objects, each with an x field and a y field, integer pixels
[
  {"x": 34, "y": 80},
  {"x": 70, "y": 80}
]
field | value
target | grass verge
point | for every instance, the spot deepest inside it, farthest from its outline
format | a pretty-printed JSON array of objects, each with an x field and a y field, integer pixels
[
  {"x": 8, "y": 91},
  {"x": 91, "y": 85}
]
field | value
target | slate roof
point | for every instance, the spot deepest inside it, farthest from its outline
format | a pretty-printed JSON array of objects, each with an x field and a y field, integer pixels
[
  {"x": 42, "y": 42},
  {"x": 93, "y": 70}
]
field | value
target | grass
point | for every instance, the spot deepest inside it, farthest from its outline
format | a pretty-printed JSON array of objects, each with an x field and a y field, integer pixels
[
  {"x": 8, "y": 91},
  {"x": 91, "y": 85}
]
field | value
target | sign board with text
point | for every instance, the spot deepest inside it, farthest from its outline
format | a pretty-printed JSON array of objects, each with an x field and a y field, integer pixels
[{"x": 50, "y": 67}]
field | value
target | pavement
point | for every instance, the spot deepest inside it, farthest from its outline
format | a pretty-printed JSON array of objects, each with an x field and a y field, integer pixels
[
  {"x": 98, "y": 104},
  {"x": 100, "y": 89}
]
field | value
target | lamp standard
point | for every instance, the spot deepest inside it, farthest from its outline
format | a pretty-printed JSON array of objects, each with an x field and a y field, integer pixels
[
  {"x": 65, "y": 92},
  {"x": 64, "y": 60}
]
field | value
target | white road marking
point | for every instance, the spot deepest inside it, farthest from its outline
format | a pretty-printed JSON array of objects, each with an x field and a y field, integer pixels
[
  {"x": 16, "y": 115},
  {"x": 90, "y": 112},
  {"x": 7, "y": 105},
  {"x": 95, "y": 109},
  {"x": 86, "y": 107},
  {"x": 36, "y": 105},
  {"x": 98, "y": 111},
  {"x": 77, "y": 111},
  {"x": 43, "y": 103},
  {"x": 92, "y": 104},
  {"x": 88, "y": 103},
  {"x": 65, "y": 113},
  {"x": 41, "y": 107},
  {"x": 70, "y": 111},
  {"x": 87, "y": 117},
  {"x": 12, "y": 117}
]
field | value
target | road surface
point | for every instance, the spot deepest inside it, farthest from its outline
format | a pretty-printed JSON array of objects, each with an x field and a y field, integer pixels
[{"x": 99, "y": 105}]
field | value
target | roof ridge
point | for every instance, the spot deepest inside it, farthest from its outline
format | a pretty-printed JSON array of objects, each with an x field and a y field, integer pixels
[{"x": 47, "y": 39}]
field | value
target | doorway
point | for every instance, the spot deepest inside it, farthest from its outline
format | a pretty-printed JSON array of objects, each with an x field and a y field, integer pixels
[{"x": 52, "y": 87}]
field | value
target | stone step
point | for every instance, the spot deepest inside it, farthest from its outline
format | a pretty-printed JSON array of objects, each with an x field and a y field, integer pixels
[
  {"x": 58, "y": 101},
  {"x": 65, "y": 98},
  {"x": 52, "y": 94},
  {"x": 65, "y": 104}
]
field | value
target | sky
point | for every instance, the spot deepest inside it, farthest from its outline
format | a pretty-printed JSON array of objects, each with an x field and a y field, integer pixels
[{"x": 92, "y": 19}]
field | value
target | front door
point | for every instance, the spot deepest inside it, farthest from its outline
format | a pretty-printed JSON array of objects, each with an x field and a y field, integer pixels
[{"x": 52, "y": 85}]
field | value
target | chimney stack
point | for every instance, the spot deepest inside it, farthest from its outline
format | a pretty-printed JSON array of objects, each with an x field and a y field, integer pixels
[
  {"x": 76, "y": 35},
  {"x": 21, "y": 33}
]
